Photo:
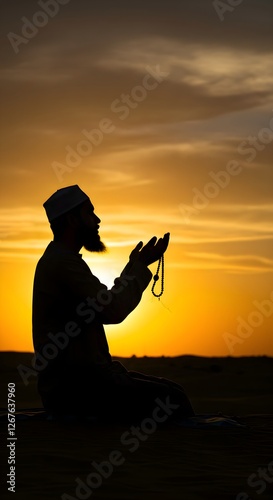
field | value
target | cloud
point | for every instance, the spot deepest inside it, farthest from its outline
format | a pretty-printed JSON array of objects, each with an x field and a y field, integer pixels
[
  {"x": 110, "y": 179},
  {"x": 241, "y": 264},
  {"x": 219, "y": 71}
]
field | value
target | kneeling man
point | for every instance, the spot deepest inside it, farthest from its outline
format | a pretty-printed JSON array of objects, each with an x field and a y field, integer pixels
[{"x": 70, "y": 307}]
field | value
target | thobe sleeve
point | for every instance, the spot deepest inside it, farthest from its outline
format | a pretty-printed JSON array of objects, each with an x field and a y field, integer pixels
[{"x": 111, "y": 305}]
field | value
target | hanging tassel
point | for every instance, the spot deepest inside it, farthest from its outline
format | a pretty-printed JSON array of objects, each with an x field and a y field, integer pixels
[{"x": 156, "y": 278}]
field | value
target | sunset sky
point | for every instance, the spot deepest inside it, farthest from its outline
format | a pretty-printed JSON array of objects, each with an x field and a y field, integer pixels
[{"x": 183, "y": 97}]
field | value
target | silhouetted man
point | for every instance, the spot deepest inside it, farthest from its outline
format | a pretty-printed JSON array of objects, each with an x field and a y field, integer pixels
[{"x": 76, "y": 373}]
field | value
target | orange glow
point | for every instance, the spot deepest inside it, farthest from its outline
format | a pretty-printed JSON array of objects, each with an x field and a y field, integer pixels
[{"x": 197, "y": 308}]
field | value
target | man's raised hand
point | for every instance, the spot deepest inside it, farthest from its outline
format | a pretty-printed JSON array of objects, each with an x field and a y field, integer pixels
[{"x": 152, "y": 251}]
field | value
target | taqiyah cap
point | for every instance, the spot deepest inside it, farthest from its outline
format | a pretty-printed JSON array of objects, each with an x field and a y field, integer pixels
[{"x": 64, "y": 200}]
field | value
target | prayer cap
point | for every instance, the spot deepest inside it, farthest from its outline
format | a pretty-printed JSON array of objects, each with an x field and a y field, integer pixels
[{"x": 63, "y": 200}]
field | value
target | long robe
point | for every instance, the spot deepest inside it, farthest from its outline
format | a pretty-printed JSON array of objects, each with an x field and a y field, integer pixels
[{"x": 76, "y": 372}]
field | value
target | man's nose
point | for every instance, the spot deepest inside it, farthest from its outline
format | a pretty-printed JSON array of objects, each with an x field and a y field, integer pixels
[{"x": 98, "y": 219}]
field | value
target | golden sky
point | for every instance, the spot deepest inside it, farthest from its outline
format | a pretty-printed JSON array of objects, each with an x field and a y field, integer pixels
[{"x": 176, "y": 99}]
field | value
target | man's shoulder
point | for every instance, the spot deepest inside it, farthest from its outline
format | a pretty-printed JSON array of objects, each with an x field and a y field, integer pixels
[{"x": 56, "y": 255}]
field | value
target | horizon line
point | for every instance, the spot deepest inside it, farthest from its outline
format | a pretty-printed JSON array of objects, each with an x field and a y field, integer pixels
[{"x": 161, "y": 356}]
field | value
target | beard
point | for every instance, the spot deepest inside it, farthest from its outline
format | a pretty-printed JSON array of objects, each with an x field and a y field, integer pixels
[
  {"x": 96, "y": 245},
  {"x": 91, "y": 241}
]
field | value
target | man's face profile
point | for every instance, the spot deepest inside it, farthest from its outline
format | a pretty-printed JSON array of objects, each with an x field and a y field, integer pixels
[{"x": 88, "y": 229}]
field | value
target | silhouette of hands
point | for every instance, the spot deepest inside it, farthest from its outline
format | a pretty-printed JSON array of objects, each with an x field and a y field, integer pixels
[{"x": 152, "y": 251}]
